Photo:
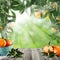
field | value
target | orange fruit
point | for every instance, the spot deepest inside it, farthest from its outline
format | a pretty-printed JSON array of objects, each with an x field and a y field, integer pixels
[
  {"x": 54, "y": 29},
  {"x": 54, "y": 49},
  {"x": 57, "y": 49},
  {"x": 46, "y": 49},
  {"x": 38, "y": 14},
  {"x": 54, "y": 5},
  {"x": 8, "y": 43},
  {"x": 1, "y": 27},
  {"x": 57, "y": 18},
  {"x": 2, "y": 42}
]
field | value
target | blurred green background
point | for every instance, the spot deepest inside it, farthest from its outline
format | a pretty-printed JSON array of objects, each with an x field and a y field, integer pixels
[
  {"x": 30, "y": 30},
  {"x": 33, "y": 32}
]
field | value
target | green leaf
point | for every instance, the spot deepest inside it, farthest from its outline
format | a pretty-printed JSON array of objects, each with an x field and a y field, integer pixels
[
  {"x": 13, "y": 16},
  {"x": 15, "y": 5},
  {"x": 14, "y": 53},
  {"x": 28, "y": 4}
]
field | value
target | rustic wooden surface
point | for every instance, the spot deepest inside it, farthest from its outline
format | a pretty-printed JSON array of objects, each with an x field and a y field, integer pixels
[{"x": 31, "y": 54}]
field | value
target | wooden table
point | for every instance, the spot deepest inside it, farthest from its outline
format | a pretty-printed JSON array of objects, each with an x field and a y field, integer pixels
[{"x": 31, "y": 54}]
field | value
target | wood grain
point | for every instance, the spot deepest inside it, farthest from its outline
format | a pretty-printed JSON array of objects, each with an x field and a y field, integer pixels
[{"x": 31, "y": 54}]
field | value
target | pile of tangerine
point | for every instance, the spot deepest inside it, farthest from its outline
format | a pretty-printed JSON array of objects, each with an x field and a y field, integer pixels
[
  {"x": 5, "y": 43},
  {"x": 52, "y": 49}
]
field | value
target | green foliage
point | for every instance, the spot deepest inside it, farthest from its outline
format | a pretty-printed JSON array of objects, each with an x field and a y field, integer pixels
[
  {"x": 6, "y": 5},
  {"x": 51, "y": 6},
  {"x": 15, "y": 53},
  {"x": 35, "y": 33}
]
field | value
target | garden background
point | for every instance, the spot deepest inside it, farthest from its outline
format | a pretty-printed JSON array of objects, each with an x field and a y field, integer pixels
[{"x": 36, "y": 22}]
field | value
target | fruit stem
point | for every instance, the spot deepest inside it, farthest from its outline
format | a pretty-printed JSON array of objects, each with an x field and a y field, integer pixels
[
  {"x": 2, "y": 34},
  {"x": 49, "y": 43}
]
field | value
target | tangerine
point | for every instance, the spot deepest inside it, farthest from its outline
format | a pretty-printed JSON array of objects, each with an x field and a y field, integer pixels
[
  {"x": 8, "y": 43},
  {"x": 46, "y": 49},
  {"x": 57, "y": 18},
  {"x": 38, "y": 14},
  {"x": 2, "y": 42},
  {"x": 57, "y": 49}
]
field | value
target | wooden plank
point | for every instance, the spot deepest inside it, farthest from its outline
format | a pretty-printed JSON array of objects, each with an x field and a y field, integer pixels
[
  {"x": 7, "y": 58},
  {"x": 27, "y": 54},
  {"x": 35, "y": 54},
  {"x": 58, "y": 58},
  {"x": 31, "y": 54},
  {"x": 22, "y": 50},
  {"x": 45, "y": 57},
  {"x": 18, "y": 59},
  {"x": 40, "y": 54},
  {"x": 54, "y": 58}
]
